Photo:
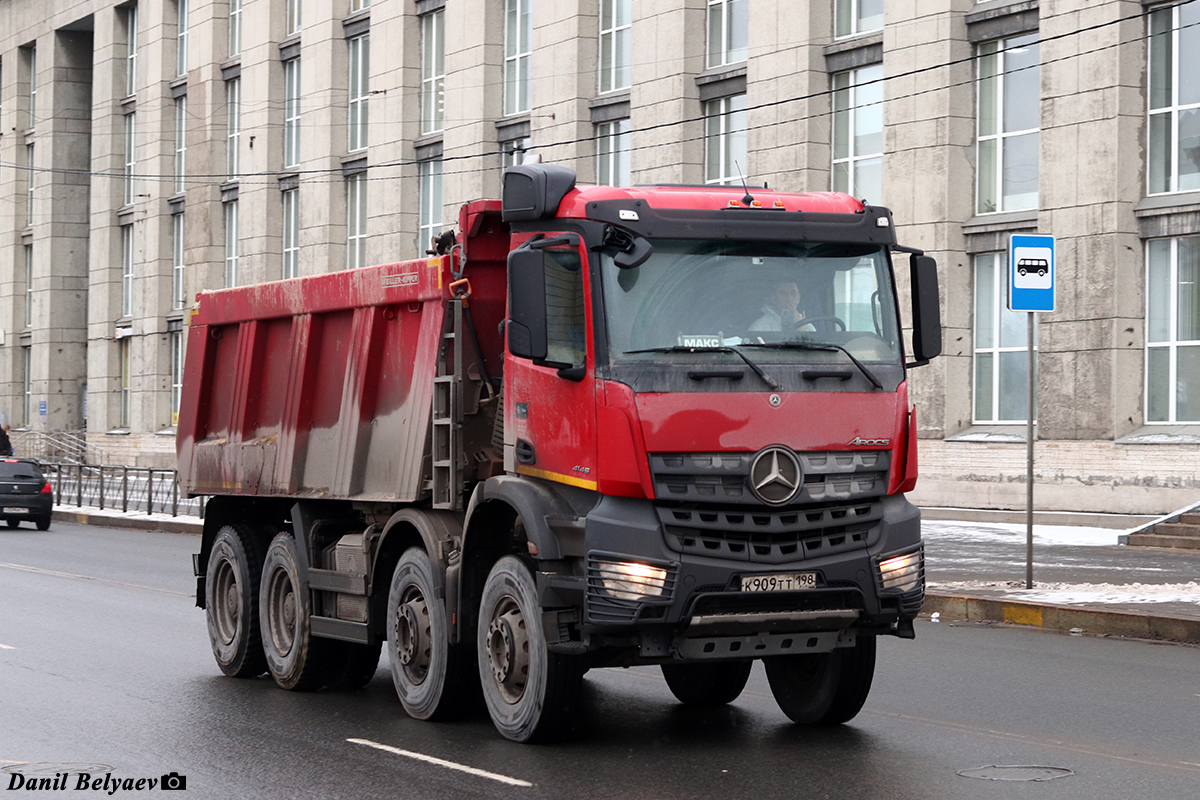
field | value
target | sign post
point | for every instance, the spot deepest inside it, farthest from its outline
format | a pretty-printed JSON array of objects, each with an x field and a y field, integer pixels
[{"x": 1031, "y": 284}]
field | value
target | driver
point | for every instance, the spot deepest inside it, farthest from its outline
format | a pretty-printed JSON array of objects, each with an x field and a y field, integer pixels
[{"x": 779, "y": 311}]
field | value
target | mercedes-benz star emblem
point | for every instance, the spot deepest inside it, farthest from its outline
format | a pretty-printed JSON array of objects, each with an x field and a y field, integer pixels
[{"x": 775, "y": 475}]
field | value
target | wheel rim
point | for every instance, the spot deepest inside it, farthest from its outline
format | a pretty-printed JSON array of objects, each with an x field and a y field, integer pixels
[
  {"x": 281, "y": 611},
  {"x": 508, "y": 649},
  {"x": 412, "y": 636},
  {"x": 226, "y": 602}
]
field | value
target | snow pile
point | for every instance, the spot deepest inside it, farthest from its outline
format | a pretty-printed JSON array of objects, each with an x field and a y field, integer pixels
[
  {"x": 1002, "y": 532},
  {"x": 1081, "y": 593}
]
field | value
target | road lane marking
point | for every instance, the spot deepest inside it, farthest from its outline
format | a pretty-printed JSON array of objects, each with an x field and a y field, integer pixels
[
  {"x": 7, "y": 647},
  {"x": 77, "y": 576},
  {"x": 442, "y": 763}
]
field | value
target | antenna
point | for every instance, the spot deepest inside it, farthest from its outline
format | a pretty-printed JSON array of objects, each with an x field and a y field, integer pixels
[{"x": 748, "y": 199}]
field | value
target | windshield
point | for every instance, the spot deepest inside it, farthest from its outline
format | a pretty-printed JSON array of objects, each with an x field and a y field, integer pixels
[{"x": 727, "y": 294}]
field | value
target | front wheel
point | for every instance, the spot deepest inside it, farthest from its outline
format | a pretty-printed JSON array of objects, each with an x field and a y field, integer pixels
[
  {"x": 530, "y": 692},
  {"x": 294, "y": 657},
  {"x": 707, "y": 684},
  {"x": 823, "y": 688},
  {"x": 431, "y": 676}
]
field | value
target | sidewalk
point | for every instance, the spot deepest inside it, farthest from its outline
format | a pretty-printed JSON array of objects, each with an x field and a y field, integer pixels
[{"x": 1084, "y": 582}]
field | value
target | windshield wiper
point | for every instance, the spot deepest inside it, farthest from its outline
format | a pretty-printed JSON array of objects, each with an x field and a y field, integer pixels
[
  {"x": 796, "y": 344},
  {"x": 767, "y": 379}
]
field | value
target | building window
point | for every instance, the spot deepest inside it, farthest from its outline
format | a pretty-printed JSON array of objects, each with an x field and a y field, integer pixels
[
  {"x": 127, "y": 193},
  {"x": 430, "y": 217},
  {"x": 1173, "y": 330},
  {"x": 291, "y": 113},
  {"x": 178, "y": 286},
  {"x": 177, "y": 354},
  {"x": 123, "y": 356},
  {"x": 433, "y": 71},
  {"x": 27, "y": 384},
  {"x": 616, "y": 48},
  {"x": 1009, "y": 115},
  {"x": 131, "y": 50},
  {"x": 360, "y": 77},
  {"x": 233, "y": 127},
  {"x": 1001, "y": 346},
  {"x": 231, "y": 244},
  {"x": 180, "y": 143},
  {"x": 513, "y": 152},
  {"x": 725, "y": 140},
  {"x": 28, "y": 286},
  {"x": 32, "y": 51},
  {"x": 612, "y": 153},
  {"x": 126, "y": 270},
  {"x": 29, "y": 185},
  {"x": 858, "y": 133},
  {"x": 356, "y": 221},
  {"x": 291, "y": 233},
  {"x": 359, "y": 5},
  {"x": 518, "y": 35},
  {"x": 728, "y": 26},
  {"x": 1174, "y": 100},
  {"x": 852, "y": 17},
  {"x": 181, "y": 41},
  {"x": 235, "y": 27},
  {"x": 292, "y": 20}
]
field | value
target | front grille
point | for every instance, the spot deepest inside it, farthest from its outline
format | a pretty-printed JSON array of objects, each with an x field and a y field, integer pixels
[
  {"x": 770, "y": 536},
  {"x": 722, "y": 477}
]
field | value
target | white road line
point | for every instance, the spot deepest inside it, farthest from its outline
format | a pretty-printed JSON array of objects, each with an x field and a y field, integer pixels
[
  {"x": 442, "y": 763},
  {"x": 76, "y": 576},
  {"x": 7, "y": 647}
]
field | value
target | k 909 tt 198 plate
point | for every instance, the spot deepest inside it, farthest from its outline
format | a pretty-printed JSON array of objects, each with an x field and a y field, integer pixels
[{"x": 780, "y": 582}]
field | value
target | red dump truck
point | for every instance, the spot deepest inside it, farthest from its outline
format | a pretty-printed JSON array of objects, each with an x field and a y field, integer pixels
[{"x": 600, "y": 427}]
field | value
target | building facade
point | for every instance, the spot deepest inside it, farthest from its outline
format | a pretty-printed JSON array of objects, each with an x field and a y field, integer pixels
[{"x": 153, "y": 149}]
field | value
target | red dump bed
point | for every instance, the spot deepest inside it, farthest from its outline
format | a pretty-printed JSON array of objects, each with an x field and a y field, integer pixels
[{"x": 322, "y": 386}]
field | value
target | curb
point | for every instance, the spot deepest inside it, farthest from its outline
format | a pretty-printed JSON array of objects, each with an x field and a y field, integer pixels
[
  {"x": 1064, "y": 619},
  {"x": 181, "y": 525}
]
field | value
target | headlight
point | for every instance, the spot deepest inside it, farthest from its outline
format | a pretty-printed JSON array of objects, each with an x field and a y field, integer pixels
[
  {"x": 902, "y": 573},
  {"x": 629, "y": 580}
]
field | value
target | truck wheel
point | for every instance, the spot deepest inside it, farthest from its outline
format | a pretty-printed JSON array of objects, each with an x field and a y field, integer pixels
[
  {"x": 530, "y": 692},
  {"x": 351, "y": 665},
  {"x": 824, "y": 688},
  {"x": 230, "y": 601},
  {"x": 707, "y": 684},
  {"x": 428, "y": 672},
  {"x": 294, "y": 658}
]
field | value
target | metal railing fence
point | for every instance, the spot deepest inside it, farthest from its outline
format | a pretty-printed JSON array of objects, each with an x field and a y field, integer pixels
[{"x": 125, "y": 489}]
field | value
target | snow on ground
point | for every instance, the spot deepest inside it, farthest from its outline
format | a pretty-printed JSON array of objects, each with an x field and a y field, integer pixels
[
  {"x": 1003, "y": 532},
  {"x": 1081, "y": 593}
]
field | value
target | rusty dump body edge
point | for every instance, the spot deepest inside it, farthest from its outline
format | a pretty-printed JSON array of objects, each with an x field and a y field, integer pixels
[{"x": 321, "y": 387}]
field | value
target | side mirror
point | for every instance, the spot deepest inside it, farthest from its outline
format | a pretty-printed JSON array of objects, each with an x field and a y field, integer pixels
[
  {"x": 526, "y": 304},
  {"x": 926, "y": 313}
]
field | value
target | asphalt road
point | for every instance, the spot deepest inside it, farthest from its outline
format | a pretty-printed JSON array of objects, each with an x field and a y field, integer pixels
[{"x": 104, "y": 660}]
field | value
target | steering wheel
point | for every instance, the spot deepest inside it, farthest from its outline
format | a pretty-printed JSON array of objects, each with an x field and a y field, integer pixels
[{"x": 837, "y": 321}]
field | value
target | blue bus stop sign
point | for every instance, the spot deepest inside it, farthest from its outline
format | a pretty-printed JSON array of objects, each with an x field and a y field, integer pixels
[{"x": 1031, "y": 273}]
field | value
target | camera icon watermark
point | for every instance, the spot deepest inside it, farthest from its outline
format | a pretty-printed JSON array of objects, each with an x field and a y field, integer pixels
[{"x": 173, "y": 781}]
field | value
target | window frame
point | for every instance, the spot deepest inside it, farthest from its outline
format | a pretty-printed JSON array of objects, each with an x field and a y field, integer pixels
[
  {"x": 359, "y": 92},
  {"x": 177, "y": 357},
  {"x": 292, "y": 21},
  {"x": 998, "y": 308},
  {"x": 356, "y": 221},
  {"x": 28, "y": 286},
  {"x": 854, "y": 18},
  {"x": 30, "y": 154},
  {"x": 180, "y": 160},
  {"x": 851, "y": 111},
  {"x": 127, "y": 270},
  {"x": 613, "y": 167},
  {"x": 290, "y": 200},
  {"x": 1000, "y": 48},
  {"x": 727, "y": 135},
  {"x": 291, "y": 112},
  {"x": 181, "y": 38},
  {"x": 433, "y": 71},
  {"x": 1172, "y": 110},
  {"x": 178, "y": 265},
  {"x": 1173, "y": 343},
  {"x": 235, "y": 28},
  {"x": 233, "y": 128},
  {"x": 518, "y": 55},
  {"x": 127, "y": 191},
  {"x": 616, "y": 43},
  {"x": 429, "y": 219},
  {"x": 232, "y": 243},
  {"x": 721, "y": 49},
  {"x": 131, "y": 50},
  {"x": 125, "y": 375}
]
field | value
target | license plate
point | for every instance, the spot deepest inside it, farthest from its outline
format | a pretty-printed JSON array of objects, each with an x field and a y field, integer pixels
[
  {"x": 16, "y": 510},
  {"x": 785, "y": 582}
]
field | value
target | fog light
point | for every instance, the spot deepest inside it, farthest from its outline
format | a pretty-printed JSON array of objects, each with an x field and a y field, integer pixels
[
  {"x": 902, "y": 573},
  {"x": 628, "y": 580}
]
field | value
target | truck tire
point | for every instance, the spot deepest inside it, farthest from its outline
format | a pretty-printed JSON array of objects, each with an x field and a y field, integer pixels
[
  {"x": 427, "y": 670},
  {"x": 707, "y": 684},
  {"x": 530, "y": 692},
  {"x": 823, "y": 688},
  {"x": 351, "y": 665},
  {"x": 231, "y": 601},
  {"x": 295, "y": 659}
]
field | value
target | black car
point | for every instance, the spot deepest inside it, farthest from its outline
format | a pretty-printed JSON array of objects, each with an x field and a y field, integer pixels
[{"x": 25, "y": 494}]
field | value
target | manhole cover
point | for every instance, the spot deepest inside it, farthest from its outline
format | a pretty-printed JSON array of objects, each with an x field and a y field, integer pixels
[
  {"x": 1016, "y": 773},
  {"x": 48, "y": 769}
]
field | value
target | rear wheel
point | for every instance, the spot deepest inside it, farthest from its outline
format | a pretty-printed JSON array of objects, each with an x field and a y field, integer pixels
[
  {"x": 707, "y": 684},
  {"x": 231, "y": 601},
  {"x": 823, "y": 688},
  {"x": 531, "y": 693},
  {"x": 295, "y": 659},
  {"x": 43, "y": 523},
  {"x": 432, "y": 677}
]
